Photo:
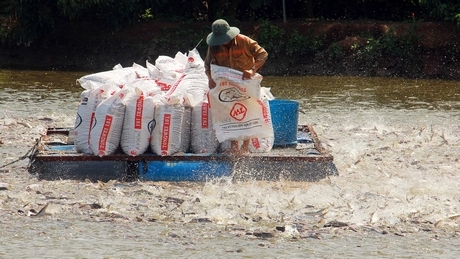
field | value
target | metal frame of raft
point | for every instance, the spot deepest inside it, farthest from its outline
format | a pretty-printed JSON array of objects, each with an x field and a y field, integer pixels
[{"x": 305, "y": 161}]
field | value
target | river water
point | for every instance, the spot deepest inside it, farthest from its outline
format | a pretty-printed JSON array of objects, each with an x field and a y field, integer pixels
[{"x": 395, "y": 142}]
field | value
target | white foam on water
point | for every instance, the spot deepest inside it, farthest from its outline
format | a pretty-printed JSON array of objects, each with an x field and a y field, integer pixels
[
  {"x": 389, "y": 172},
  {"x": 396, "y": 165},
  {"x": 398, "y": 172}
]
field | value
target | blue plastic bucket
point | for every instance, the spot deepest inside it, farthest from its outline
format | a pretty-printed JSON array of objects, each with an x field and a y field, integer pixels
[{"x": 285, "y": 119}]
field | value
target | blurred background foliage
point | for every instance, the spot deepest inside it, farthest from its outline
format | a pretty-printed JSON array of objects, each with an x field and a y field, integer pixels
[
  {"x": 24, "y": 21},
  {"x": 409, "y": 38}
]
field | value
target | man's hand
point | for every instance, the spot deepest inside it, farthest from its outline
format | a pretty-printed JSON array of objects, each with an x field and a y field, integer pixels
[
  {"x": 211, "y": 83},
  {"x": 248, "y": 74}
]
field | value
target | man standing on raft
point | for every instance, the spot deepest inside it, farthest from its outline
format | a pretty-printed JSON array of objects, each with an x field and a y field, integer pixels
[{"x": 229, "y": 48}]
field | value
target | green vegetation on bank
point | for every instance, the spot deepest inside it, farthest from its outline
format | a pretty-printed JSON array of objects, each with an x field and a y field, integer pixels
[
  {"x": 26, "y": 21},
  {"x": 290, "y": 47},
  {"x": 95, "y": 35}
]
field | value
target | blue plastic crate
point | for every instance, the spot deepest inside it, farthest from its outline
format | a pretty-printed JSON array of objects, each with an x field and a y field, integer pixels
[{"x": 184, "y": 170}]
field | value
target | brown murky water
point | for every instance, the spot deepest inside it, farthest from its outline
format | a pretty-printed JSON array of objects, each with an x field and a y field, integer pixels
[{"x": 395, "y": 143}]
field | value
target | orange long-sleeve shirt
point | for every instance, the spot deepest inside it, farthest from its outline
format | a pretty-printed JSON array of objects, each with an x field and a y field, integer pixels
[{"x": 243, "y": 53}]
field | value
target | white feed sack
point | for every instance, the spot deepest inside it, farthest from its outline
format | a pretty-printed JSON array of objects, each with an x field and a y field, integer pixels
[
  {"x": 153, "y": 71},
  {"x": 263, "y": 144},
  {"x": 83, "y": 124},
  {"x": 148, "y": 86},
  {"x": 196, "y": 86},
  {"x": 139, "y": 116},
  {"x": 203, "y": 136},
  {"x": 118, "y": 76},
  {"x": 166, "y": 133},
  {"x": 174, "y": 93},
  {"x": 181, "y": 58},
  {"x": 185, "y": 90},
  {"x": 167, "y": 80},
  {"x": 195, "y": 63},
  {"x": 237, "y": 112},
  {"x": 193, "y": 84},
  {"x": 141, "y": 72},
  {"x": 169, "y": 71},
  {"x": 90, "y": 99},
  {"x": 106, "y": 133},
  {"x": 186, "y": 130},
  {"x": 169, "y": 64}
]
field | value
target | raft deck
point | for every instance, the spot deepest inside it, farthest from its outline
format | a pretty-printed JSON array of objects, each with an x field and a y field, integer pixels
[{"x": 55, "y": 158}]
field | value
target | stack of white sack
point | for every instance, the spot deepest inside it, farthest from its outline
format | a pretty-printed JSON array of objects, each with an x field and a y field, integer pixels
[{"x": 134, "y": 108}]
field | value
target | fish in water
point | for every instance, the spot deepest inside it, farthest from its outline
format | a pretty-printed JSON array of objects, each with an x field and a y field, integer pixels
[{"x": 43, "y": 211}]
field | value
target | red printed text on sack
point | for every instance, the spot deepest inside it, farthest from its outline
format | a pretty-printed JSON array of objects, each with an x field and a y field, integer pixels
[
  {"x": 165, "y": 132},
  {"x": 204, "y": 115},
  {"x": 264, "y": 111},
  {"x": 174, "y": 87},
  {"x": 255, "y": 143},
  {"x": 138, "y": 112},
  {"x": 105, "y": 132}
]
